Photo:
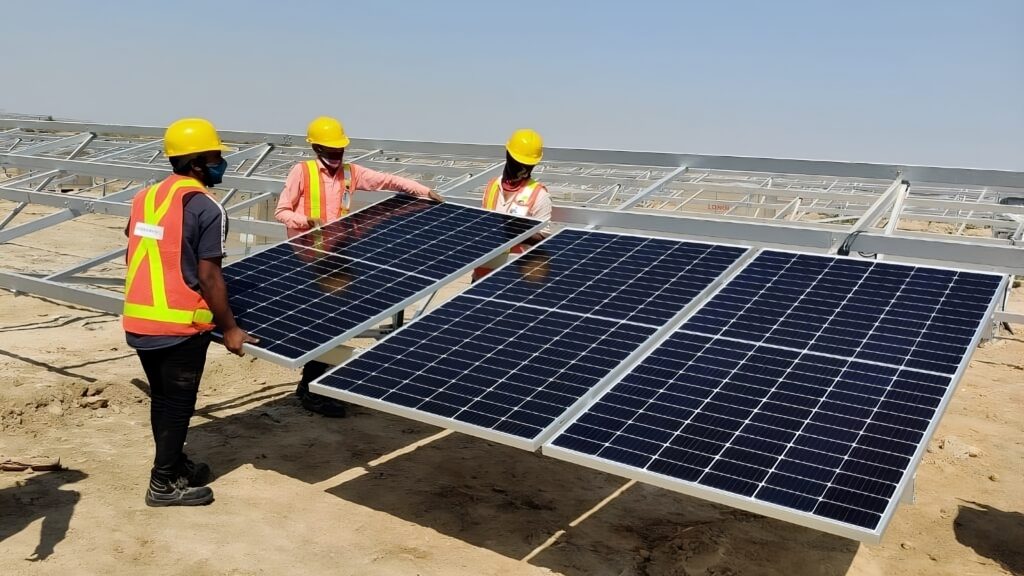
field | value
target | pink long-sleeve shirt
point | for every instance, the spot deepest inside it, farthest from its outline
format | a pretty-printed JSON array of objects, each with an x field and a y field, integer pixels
[{"x": 291, "y": 209}]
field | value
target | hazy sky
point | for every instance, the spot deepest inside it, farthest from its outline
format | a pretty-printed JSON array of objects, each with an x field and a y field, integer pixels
[{"x": 910, "y": 81}]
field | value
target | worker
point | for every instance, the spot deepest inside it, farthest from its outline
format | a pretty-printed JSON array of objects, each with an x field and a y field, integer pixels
[
  {"x": 516, "y": 193},
  {"x": 175, "y": 296},
  {"x": 318, "y": 192}
]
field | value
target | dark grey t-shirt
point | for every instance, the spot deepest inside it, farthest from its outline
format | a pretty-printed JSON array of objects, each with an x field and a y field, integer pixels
[{"x": 204, "y": 233}]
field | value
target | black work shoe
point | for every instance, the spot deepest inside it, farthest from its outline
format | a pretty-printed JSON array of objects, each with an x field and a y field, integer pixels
[
  {"x": 177, "y": 493},
  {"x": 195, "y": 473},
  {"x": 324, "y": 406}
]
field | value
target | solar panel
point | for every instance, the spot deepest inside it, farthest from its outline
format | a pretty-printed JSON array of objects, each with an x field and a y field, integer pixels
[
  {"x": 623, "y": 277},
  {"x": 420, "y": 237},
  {"x": 304, "y": 296},
  {"x": 514, "y": 355},
  {"x": 806, "y": 389}
]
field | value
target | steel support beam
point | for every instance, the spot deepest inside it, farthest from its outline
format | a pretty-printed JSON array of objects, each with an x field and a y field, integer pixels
[
  {"x": 264, "y": 151},
  {"x": 643, "y": 194},
  {"x": 85, "y": 265},
  {"x": 882, "y": 204},
  {"x": 44, "y": 147},
  {"x": 246, "y": 204},
  {"x": 653, "y": 188},
  {"x": 36, "y": 225},
  {"x": 792, "y": 208},
  {"x": 471, "y": 182},
  {"x": 954, "y": 176},
  {"x": 93, "y": 168},
  {"x": 999, "y": 258},
  {"x": 109, "y": 302}
]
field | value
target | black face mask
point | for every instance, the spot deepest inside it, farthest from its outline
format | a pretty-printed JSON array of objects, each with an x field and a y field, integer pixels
[
  {"x": 213, "y": 174},
  {"x": 516, "y": 172}
]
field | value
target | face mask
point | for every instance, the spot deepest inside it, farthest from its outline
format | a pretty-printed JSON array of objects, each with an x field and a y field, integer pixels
[
  {"x": 516, "y": 173},
  {"x": 214, "y": 173},
  {"x": 331, "y": 163}
]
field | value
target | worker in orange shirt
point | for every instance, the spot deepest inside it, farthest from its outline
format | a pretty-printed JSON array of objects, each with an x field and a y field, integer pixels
[
  {"x": 516, "y": 193},
  {"x": 175, "y": 296},
  {"x": 320, "y": 191}
]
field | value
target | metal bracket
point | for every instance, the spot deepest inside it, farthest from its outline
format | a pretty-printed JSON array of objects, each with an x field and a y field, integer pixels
[{"x": 908, "y": 496}]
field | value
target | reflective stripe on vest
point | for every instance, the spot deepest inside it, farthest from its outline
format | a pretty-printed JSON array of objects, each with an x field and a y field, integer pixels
[
  {"x": 312, "y": 192},
  {"x": 526, "y": 197},
  {"x": 165, "y": 305}
]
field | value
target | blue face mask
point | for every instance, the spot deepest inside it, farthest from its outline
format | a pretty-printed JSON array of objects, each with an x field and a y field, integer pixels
[{"x": 215, "y": 173}]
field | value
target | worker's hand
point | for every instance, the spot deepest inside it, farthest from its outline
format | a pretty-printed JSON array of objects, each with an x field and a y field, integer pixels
[
  {"x": 235, "y": 337},
  {"x": 312, "y": 222},
  {"x": 435, "y": 196}
]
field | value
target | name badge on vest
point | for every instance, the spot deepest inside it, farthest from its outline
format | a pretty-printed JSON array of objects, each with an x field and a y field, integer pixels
[{"x": 144, "y": 230}]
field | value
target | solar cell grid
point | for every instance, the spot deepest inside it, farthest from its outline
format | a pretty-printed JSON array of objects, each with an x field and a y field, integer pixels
[
  {"x": 806, "y": 383},
  {"x": 304, "y": 295},
  {"x": 792, "y": 428},
  {"x": 298, "y": 300},
  {"x": 511, "y": 369},
  {"x": 634, "y": 278},
  {"x": 921, "y": 318},
  {"x": 418, "y": 236},
  {"x": 518, "y": 350}
]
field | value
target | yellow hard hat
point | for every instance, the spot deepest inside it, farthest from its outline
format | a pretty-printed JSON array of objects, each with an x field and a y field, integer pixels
[
  {"x": 191, "y": 136},
  {"x": 327, "y": 131},
  {"x": 526, "y": 146}
]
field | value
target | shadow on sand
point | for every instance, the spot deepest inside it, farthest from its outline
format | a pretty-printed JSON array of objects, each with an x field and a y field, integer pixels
[
  {"x": 993, "y": 533},
  {"x": 515, "y": 503},
  {"x": 40, "y": 496}
]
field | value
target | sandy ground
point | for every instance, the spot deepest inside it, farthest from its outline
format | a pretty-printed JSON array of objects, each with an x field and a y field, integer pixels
[{"x": 377, "y": 494}]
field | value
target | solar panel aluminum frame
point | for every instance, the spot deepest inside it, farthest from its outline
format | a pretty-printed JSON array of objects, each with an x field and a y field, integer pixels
[
  {"x": 570, "y": 413},
  {"x": 723, "y": 497},
  {"x": 294, "y": 363}
]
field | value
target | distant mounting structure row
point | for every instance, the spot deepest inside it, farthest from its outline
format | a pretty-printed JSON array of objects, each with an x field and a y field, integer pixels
[{"x": 966, "y": 218}]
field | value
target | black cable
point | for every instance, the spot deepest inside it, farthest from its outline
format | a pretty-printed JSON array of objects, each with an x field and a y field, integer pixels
[{"x": 844, "y": 248}]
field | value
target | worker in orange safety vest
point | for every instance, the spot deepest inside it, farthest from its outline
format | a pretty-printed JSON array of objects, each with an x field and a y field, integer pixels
[
  {"x": 175, "y": 296},
  {"x": 516, "y": 193}
]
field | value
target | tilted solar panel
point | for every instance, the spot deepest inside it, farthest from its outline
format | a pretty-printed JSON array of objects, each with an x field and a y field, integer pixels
[
  {"x": 805, "y": 389},
  {"x": 306, "y": 295},
  {"x": 511, "y": 357}
]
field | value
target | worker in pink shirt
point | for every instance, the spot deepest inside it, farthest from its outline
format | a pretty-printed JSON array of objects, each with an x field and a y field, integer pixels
[
  {"x": 320, "y": 191},
  {"x": 516, "y": 193}
]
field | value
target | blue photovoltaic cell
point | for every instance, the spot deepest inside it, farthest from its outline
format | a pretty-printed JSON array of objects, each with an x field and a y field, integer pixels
[
  {"x": 297, "y": 299},
  {"x": 301, "y": 295},
  {"x": 634, "y": 278},
  {"x": 515, "y": 352},
  {"x": 511, "y": 369},
  {"x": 921, "y": 318},
  {"x": 755, "y": 395},
  {"x": 418, "y": 236}
]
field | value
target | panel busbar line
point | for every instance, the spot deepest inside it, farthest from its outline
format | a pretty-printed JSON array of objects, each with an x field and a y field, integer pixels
[
  {"x": 304, "y": 296},
  {"x": 806, "y": 389},
  {"x": 524, "y": 348}
]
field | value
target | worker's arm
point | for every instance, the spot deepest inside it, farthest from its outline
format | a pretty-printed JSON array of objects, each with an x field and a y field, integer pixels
[
  {"x": 215, "y": 293},
  {"x": 366, "y": 179},
  {"x": 541, "y": 211},
  {"x": 289, "y": 202}
]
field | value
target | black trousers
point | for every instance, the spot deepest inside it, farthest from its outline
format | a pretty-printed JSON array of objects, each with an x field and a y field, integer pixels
[
  {"x": 310, "y": 371},
  {"x": 174, "y": 374}
]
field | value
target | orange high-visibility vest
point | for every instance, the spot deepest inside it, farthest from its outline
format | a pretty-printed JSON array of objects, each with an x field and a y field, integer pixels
[
  {"x": 525, "y": 199},
  {"x": 312, "y": 195},
  {"x": 157, "y": 301}
]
